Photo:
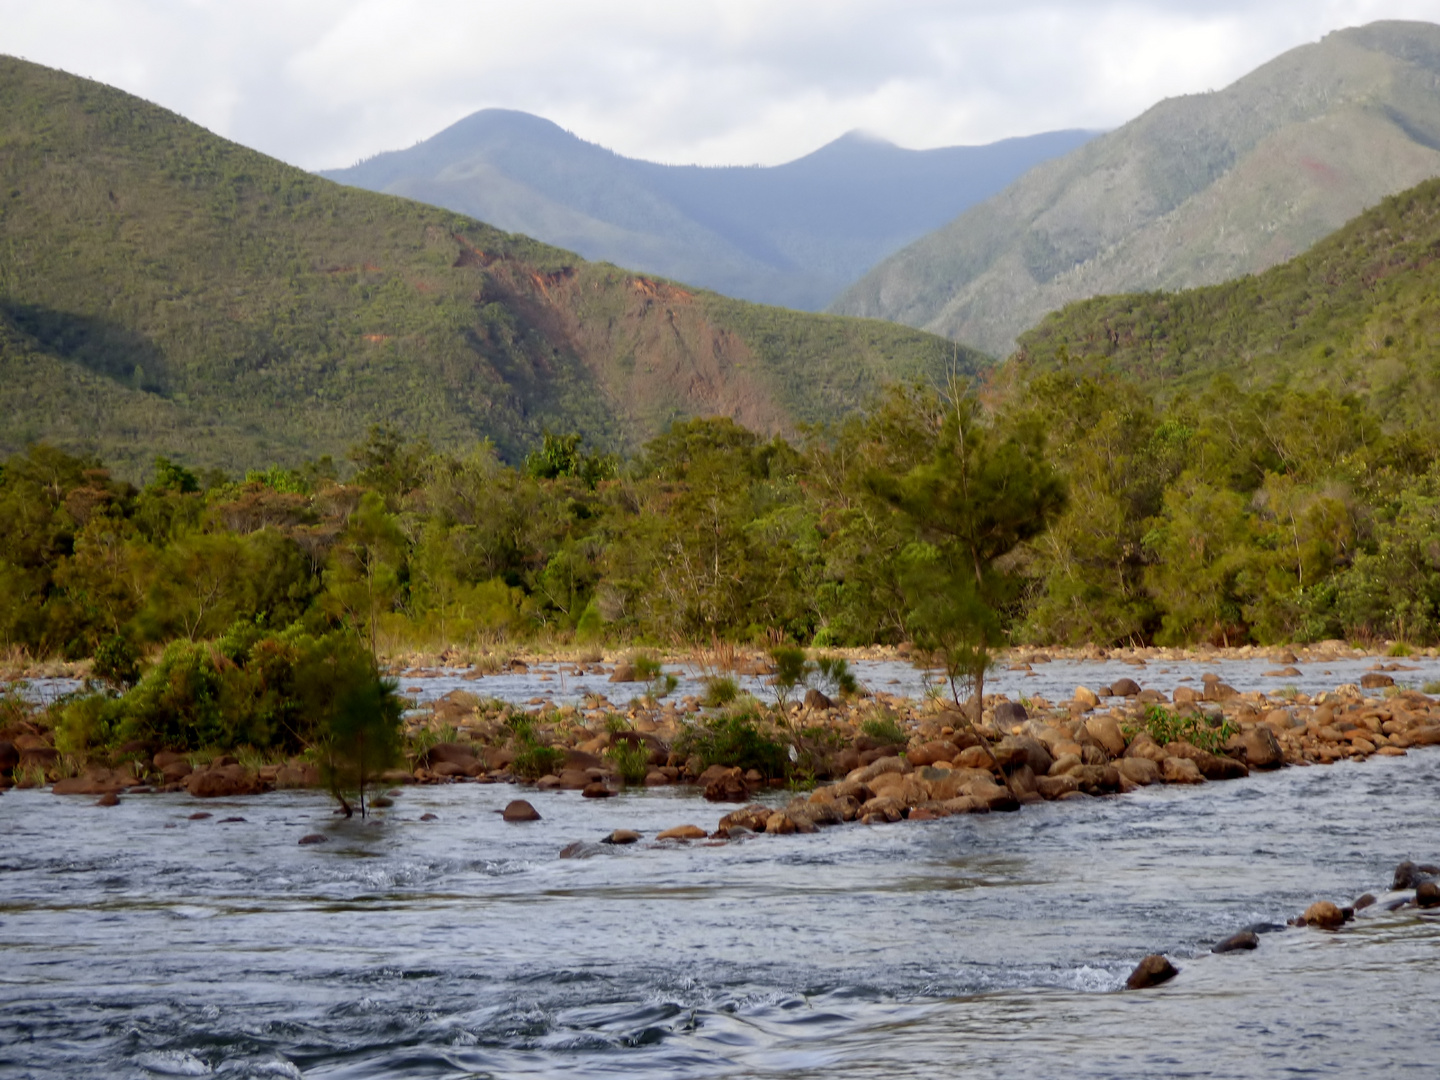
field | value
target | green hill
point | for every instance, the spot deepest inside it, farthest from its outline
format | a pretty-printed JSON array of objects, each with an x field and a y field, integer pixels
[
  {"x": 163, "y": 290},
  {"x": 1359, "y": 312},
  {"x": 1198, "y": 190}
]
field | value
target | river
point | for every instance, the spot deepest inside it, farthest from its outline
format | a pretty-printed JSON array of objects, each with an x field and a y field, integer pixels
[{"x": 137, "y": 942}]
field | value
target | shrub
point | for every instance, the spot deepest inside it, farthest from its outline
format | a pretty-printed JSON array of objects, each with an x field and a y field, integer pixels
[
  {"x": 735, "y": 742},
  {"x": 720, "y": 690},
  {"x": 1165, "y": 727},
  {"x": 836, "y": 676},
  {"x": 884, "y": 729},
  {"x": 534, "y": 760},
  {"x": 631, "y": 758},
  {"x": 647, "y": 668}
]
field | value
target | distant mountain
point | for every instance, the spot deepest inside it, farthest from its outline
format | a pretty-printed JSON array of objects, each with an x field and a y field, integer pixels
[
  {"x": 1199, "y": 189},
  {"x": 793, "y": 234},
  {"x": 164, "y": 291},
  {"x": 1357, "y": 313}
]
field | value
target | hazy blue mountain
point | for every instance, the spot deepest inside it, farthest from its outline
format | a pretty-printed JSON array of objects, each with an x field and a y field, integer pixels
[
  {"x": 793, "y": 234},
  {"x": 1199, "y": 189}
]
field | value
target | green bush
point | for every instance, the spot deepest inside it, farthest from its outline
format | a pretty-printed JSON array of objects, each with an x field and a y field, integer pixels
[
  {"x": 836, "y": 676},
  {"x": 884, "y": 729},
  {"x": 534, "y": 760},
  {"x": 631, "y": 758},
  {"x": 720, "y": 690},
  {"x": 1165, "y": 726},
  {"x": 735, "y": 742}
]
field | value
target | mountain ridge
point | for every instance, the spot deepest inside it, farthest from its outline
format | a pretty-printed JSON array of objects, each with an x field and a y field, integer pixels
[
  {"x": 1196, "y": 190},
  {"x": 793, "y": 234}
]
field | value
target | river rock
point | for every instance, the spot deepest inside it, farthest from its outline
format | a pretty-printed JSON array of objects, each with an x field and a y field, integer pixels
[
  {"x": 622, "y": 836},
  {"x": 974, "y": 757},
  {"x": 727, "y": 786},
  {"x": 1144, "y": 746},
  {"x": 223, "y": 782},
  {"x": 1324, "y": 914},
  {"x": 1410, "y": 876},
  {"x": 1244, "y": 940},
  {"x": 455, "y": 754},
  {"x": 1179, "y": 770},
  {"x": 313, "y": 838},
  {"x": 596, "y": 790},
  {"x": 1184, "y": 695},
  {"x": 1124, "y": 688},
  {"x": 1151, "y": 971},
  {"x": 752, "y": 817},
  {"x": 1428, "y": 895},
  {"x": 1009, "y": 713},
  {"x": 682, "y": 832},
  {"x": 110, "y": 798},
  {"x": 1375, "y": 680},
  {"x": 932, "y": 752},
  {"x": 1138, "y": 770},
  {"x": 1053, "y": 787},
  {"x": 1257, "y": 746},
  {"x": 520, "y": 810},
  {"x": 817, "y": 701},
  {"x": 1105, "y": 730},
  {"x": 655, "y": 778},
  {"x": 579, "y": 849},
  {"x": 1218, "y": 691}
]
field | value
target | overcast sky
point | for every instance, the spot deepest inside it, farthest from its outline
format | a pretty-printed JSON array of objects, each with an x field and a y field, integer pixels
[{"x": 325, "y": 82}]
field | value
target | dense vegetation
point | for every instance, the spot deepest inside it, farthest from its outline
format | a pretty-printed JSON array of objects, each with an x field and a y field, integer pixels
[
  {"x": 1359, "y": 313},
  {"x": 1230, "y": 516},
  {"x": 163, "y": 291},
  {"x": 1199, "y": 189}
]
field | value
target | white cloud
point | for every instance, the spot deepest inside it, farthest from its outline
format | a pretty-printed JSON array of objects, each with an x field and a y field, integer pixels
[{"x": 324, "y": 82}]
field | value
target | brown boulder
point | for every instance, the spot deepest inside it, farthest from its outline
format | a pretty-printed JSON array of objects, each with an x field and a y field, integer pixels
[
  {"x": 622, "y": 836},
  {"x": 1179, "y": 770},
  {"x": 817, "y": 701},
  {"x": 1138, "y": 770},
  {"x": 1052, "y": 787},
  {"x": 1151, "y": 971},
  {"x": 1124, "y": 688},
  {"x": 974, "y": 757},
  {"x": 727, "y": 786},
  {"x": 596, "y": 790},
  {"x": 682, "y": 832},
  {"x": 1009, "y": 713},
  {"x": 520, "y": 810},
  {"x": 1428, "y": 894},
  {"x": 1105, "y": 730},
  {"x": 1325, "y": 915},
  {"x": 1143, "y": 746},
  {"x": 1257, "y": 746},
  {"x": 1240, "y": 942},
  {"x": 881, "y": 808},
  {"x": 223, "y": 782},
  {"x": 1374, "y": 680},
  {"x": 9, "y": 757},
  {"x": 752, "y": 817},
  {"x": 932, "y": 752}
]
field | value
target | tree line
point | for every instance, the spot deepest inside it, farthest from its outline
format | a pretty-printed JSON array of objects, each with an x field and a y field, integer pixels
[{"x": 1070, "y": 507}]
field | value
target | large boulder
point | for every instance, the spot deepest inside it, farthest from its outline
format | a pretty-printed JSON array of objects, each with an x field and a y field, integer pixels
[
  {"x": 817, "y": 701},
  {"x": 728, "y": 786},
  {"x": 1410, "y": 876},
  {"x": 1143, "y": 746},
  {"x": 1139, "y": 770},
  {"x": 932, "y": 752},
  {"x": 1324, "y": 914},
  {"x": 1105, "y": 730},
  {"x": 1124, "y": 688},
  {"x": 752, "y": 817},
  {"x": 1009, "y": 713},
  {"x": 1242, "y": 941},
  {"x": 223, "y": 781},
  {"x": 1178, "y": 770},
  {"x": 1257, "y": 746},
  {"x": 1016, "y": 750},
  {"x": 520, "y": 810},
  {"x": 1151, "y": 971}
]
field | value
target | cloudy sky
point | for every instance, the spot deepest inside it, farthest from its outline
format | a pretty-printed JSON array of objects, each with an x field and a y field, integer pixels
[{"x": 325, "y": 82}]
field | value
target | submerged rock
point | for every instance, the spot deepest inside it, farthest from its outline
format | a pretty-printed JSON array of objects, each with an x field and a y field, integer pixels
[
  {"x": 622, "y": 836},
  {"x": 1151, "y": 971},
  {"x": 520, "y": 810},
  {"x": 1242, "y": 941},
  {"x": 1410, "y": 876}
]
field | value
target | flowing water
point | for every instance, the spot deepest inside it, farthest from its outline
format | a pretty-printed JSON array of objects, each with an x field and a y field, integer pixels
[
  {"x": 1056, "y": 681},
  {"x": 136, "y": 942}
]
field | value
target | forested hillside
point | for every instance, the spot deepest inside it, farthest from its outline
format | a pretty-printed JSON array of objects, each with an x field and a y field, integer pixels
[
  {"x": 1359, "y": 313},
  {"x": 163, "y": 291},
  {"x": 1197, "y": 190}
]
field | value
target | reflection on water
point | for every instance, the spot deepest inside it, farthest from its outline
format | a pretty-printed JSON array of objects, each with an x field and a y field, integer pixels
[{"x": 465, "y": 947}]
